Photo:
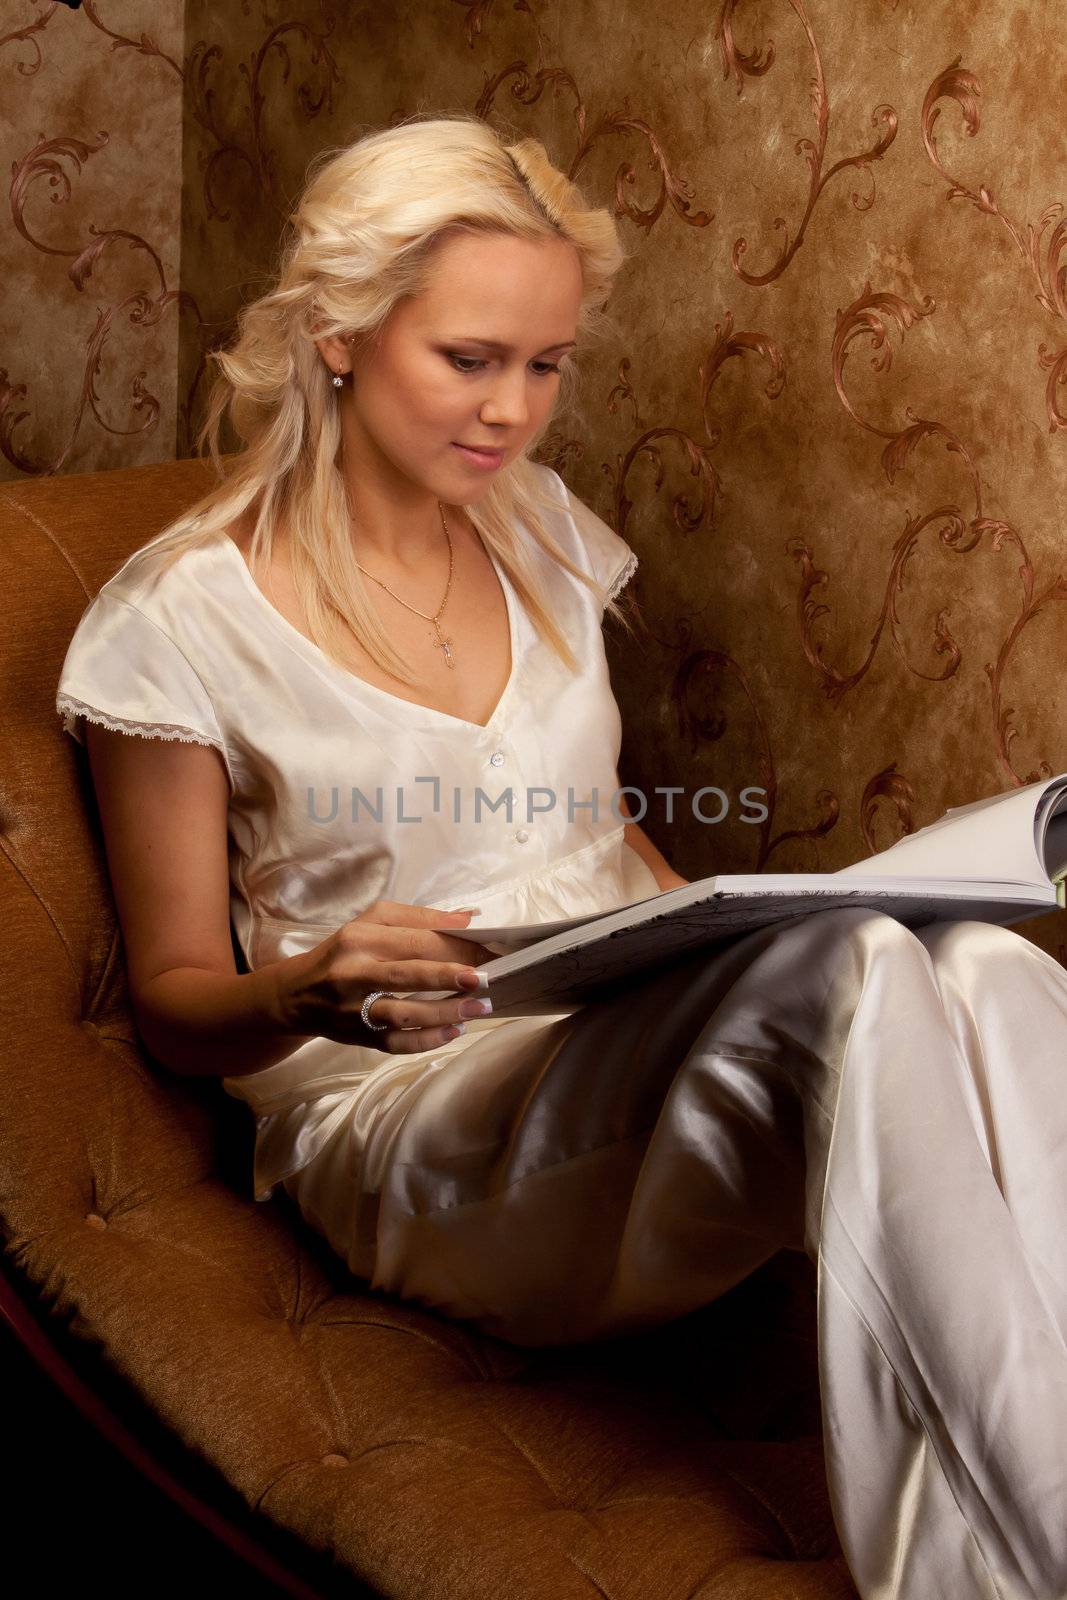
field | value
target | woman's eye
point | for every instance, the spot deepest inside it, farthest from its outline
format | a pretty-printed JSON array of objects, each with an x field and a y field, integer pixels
[{"x": 473, "y": 363}]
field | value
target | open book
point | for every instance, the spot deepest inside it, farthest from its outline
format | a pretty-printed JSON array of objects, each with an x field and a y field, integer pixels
[{"x": 1000, "y": 859}]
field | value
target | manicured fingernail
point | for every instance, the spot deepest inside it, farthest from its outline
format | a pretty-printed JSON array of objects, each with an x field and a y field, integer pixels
[
  {"x": 454, "y": 1030},
  {"x": 475, "y": 1008}
]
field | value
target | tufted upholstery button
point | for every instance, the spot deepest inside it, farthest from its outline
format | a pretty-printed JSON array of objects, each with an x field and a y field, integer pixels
[
  {"x": 334, "y": 1460},
  {"x": 522, "y": 836},
  {"x": 95, "y": 1220}
]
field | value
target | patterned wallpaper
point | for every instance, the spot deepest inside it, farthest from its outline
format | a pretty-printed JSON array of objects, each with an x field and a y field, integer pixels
[
  {"x": 833, "y": 421},
  {"x": 90, "y": 243}
]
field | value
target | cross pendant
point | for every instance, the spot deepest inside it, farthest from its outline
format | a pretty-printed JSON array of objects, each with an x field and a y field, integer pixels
[{"x": 446, "y": 645}]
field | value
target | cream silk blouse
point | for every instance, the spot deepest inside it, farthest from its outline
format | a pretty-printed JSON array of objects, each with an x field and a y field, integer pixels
[{"x": 342, "y": 793}]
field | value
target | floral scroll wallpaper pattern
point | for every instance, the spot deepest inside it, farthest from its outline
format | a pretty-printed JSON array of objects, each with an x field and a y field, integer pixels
[
  {"x": 91, "y": 312},
  {"x": 831, "y": 418}
]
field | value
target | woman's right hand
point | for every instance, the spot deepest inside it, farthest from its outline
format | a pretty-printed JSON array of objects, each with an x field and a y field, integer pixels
[{"x": 392, "y": 946}]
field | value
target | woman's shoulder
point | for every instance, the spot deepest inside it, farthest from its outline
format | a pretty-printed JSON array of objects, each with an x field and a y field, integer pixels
[
  {"x": 582, "y": 533},
  {"x": 170, "y": 570},
  {"x": 171, "y": 607}
]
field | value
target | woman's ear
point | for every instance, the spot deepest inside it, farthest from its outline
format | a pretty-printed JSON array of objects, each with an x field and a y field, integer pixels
[{"x": 335, "y": 352}]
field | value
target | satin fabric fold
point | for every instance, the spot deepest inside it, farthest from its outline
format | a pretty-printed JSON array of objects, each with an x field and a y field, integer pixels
[{"x": 892, "y": 1103}]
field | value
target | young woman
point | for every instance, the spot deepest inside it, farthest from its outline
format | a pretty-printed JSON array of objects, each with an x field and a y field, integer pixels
[{"x": 291, "y": 699}]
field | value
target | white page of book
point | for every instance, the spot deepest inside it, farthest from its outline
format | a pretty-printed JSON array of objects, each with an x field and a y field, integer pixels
[
  {"x": 990, "y": 838},
  {"x": 1054, "y": 849},
  {"x": 985, "y": 853}
]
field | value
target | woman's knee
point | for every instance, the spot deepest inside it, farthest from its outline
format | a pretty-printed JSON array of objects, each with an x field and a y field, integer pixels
[
  {"x": 859, "y": 927},
  {"x": 968, "y": 941}
]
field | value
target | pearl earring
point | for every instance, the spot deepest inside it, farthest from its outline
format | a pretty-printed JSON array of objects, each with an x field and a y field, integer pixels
[{"x": 338, "y": 381}]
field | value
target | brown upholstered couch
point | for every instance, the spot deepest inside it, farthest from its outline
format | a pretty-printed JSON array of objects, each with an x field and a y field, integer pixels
[{"x": 358, "y": 1444}]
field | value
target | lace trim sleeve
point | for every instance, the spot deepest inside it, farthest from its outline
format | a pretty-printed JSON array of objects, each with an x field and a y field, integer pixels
[
  {"x": 624, "y": 576},
  {"x": 71, "y": 710}
]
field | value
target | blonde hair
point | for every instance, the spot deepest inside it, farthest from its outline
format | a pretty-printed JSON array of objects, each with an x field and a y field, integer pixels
[{"x": 363, "y": 235}]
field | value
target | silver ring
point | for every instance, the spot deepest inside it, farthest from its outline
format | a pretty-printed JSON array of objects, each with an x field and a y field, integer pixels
[{"x": 379, "y": 994}]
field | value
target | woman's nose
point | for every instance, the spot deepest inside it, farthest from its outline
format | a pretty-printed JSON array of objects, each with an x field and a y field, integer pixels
[{"x": 508, "y": 402}]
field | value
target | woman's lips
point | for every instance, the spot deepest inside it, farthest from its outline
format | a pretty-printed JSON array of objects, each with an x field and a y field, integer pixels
[{"x": 485, "y": 460}]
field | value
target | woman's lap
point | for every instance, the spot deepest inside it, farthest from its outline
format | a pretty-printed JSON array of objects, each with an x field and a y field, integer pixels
[
  {"x": 651, "y": 1148},
  {"x": 663, "y": 1140},
  {"x": 890, "y": 1101}
]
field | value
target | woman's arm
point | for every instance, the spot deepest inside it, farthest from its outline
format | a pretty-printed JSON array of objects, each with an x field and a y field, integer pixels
[
  {"x": 658, "y": 865},
  {"x": 163, "y": 807}
]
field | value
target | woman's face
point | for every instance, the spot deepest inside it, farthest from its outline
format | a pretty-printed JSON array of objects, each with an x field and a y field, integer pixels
[{"x": 472, "y": 361}]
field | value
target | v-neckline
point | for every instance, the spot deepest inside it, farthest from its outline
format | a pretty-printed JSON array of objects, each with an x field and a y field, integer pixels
[{"x": 325, "y": 663}]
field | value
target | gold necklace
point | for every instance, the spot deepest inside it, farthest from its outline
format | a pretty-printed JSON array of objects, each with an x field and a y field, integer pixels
[{"x": 441, "y": 642}]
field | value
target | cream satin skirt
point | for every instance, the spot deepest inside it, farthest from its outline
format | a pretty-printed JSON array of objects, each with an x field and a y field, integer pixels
[{"x": 893, "y": 1103}]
